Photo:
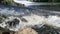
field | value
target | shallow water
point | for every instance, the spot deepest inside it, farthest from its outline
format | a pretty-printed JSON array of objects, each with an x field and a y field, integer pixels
[
  {"x": 14, "y": 12},
  {"x": 9, "y": 13}
]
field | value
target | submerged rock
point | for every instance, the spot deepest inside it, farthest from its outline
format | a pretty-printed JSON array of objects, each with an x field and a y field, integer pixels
[
  {"x": 14, "y": 22},
  {"x": 2, "y": 18},
  {"x": 24, "y": 20},
  {"x": 46, "y": 29}
]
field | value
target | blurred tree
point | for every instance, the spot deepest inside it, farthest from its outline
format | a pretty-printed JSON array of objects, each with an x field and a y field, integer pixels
[
  {"x": 58, "y": 0},
  {"x": 43, "y": 0},
  {"x": 34, "y": 0},
  {"x": 49, "y": 0},
  {"x": 55, "y": 0},
  {"x": 1, "y": 1},
  {"x": 9, "y": 1}
]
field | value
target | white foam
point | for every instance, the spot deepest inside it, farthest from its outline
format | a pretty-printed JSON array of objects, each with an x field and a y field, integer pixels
[
  {"x": 32, "y": 21},
  {"x": 53, "y": 21}
]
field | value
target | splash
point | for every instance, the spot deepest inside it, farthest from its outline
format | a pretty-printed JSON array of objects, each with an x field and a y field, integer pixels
[
  {"x": 19, "y": 23},
  {"x": 53, "y": 21}
]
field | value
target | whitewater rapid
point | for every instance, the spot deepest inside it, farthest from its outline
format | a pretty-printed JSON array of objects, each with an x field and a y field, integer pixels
[
  {"x": 20, "y": 18},
  {"x": 19, "y": 23}
]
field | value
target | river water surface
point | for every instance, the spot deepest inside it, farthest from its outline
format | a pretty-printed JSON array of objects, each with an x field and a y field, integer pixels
[{"x": 13, "y": 15}]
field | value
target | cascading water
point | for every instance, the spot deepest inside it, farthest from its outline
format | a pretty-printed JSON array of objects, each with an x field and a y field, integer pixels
[
  {"x": 16, "y": 23},
  {"x": 17, "y": 19}
]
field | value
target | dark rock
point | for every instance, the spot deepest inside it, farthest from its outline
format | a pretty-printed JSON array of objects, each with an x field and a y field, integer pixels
[
  {"x": 24, "y": 20},
  {"x": 13, "y": 22},
  {"x": 46, "y": 30}
]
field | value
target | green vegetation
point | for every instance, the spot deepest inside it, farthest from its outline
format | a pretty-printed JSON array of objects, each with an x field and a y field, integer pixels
[
  {"x": 45, "y": 0},
  {"x": 9, "y": 1}
]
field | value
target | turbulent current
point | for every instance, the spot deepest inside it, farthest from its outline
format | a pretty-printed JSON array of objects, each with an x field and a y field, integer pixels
[
  {"x": 18, "y": 18},
  {"x": 18, "y": 23}
]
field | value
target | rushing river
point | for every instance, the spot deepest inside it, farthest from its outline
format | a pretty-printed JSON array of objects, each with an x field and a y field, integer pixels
[{"x": 17, "y": 18}]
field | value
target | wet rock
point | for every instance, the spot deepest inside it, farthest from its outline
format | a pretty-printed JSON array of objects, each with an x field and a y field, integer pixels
[
  {"x": 46, "y": 30},
  {"x": 2, "y": 18},
  {"x": 27, "y": 31},
  {"x": 14, "y": 22},
  {"x": 24, "y": 20}
]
